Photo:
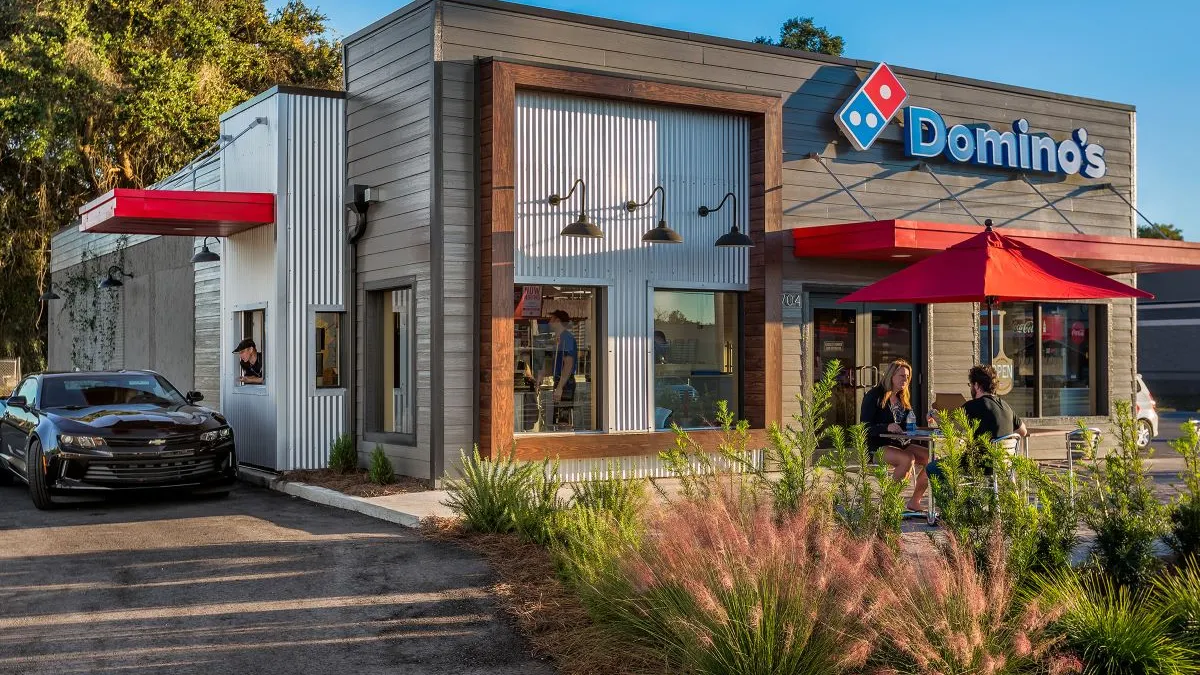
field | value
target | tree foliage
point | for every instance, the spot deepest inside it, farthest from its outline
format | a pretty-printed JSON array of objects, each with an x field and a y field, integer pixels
[
  {"x": 804, "y": 35},
  {"x": 97, "y": 94},
  {"x": 1160, "y": 231}
]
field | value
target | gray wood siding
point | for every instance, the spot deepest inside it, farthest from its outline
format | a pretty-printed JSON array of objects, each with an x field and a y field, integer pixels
[
  {"x": 389, "y": 89},
  {"x": 882, "y": 178}
]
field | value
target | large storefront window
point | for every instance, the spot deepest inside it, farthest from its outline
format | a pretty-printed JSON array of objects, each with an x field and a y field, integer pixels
[
  {"x": 1051, "y": 347},
  {"x": 554, "y": 344},
  {"x": 696, "y": 357}
]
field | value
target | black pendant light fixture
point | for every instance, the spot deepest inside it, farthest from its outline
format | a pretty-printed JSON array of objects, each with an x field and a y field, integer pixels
[
  {"x": 50, "y": 294},
  {"x": 205, "y": 255},
  {"x": 583, "y": 226},
  {"x": 113, "y": 279},
  {"x": 662, "y": 233},
  {"x": 734, "y": 238}
]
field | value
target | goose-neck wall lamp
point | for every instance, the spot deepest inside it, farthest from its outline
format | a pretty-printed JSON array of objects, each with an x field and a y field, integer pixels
[
  {"x": 113, "y": 280},
  {"x": 50, "y": 293},
  {"x": 662, "y": 234},
  {"x": 204, "y": 255},
  {"x": 734, "y": 238},
  {"x": 583, "y": 226}
]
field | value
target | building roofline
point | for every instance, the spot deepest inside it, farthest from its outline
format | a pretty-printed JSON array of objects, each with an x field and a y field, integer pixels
[
  {"x": 702, "y": 38},
  {"x": 280, "y": 89},
  {"x": 383, "y": 21}
]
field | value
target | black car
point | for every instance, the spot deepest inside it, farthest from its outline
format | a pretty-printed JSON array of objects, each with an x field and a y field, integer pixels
[{"x": 68, "y": 433}]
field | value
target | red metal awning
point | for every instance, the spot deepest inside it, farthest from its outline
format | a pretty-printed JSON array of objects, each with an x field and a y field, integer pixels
[
  {"x": 911, "y": 240},
  {"x": 177, "y": 212}
]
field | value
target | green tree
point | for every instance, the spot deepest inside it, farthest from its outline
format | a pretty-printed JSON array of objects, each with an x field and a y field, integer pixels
[
  {"x": 803, "y": 34},
  {"x": 97, "y": 94},
  {"x": 1160, "y": 231}
]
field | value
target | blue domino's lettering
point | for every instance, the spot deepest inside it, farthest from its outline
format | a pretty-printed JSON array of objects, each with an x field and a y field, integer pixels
[{"x": 926, "y": 135}]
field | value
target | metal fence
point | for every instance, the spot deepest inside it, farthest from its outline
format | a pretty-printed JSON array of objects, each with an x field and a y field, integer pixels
[{"x": 10, "y": 374}]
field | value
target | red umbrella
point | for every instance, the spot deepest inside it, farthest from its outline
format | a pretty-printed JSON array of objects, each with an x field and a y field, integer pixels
[{"x": 991, "y": 268}]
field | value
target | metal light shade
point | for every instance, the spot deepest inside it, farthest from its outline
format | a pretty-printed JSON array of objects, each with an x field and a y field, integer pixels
[
  {"x": 734, "y": 238},
  {"x": 206, "y": 256},
  {"x": 110, "y": 282},
  {"x": 662, "y": 235},
  {"x": 584, "y": 228},
  {"x": 49, "y": 295}
]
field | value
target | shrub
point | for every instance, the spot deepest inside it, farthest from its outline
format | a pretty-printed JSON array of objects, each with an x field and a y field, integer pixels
[
  {"x": 608, "y": 492},
  {"x": 343, "y": 458},
  {"x": 867, "y": 501},
  {"x": 1117, "y": 502},
  {"x": 948, "y": 617},
  {"x": 703, "y": 474},
  {"x": 725, "y": 589},
  {"x": 488, "y": 494},
  {"x": 1177, "y": 596},
  {"x": 536, "y": 509},
  {"x": 964, "y": 496},
  {"x": 1113, "y": 630},
  {"x": 1185, "y": 510},
  {"x": 1049, "y": 532},
  {"x": 381, "y": 471}
]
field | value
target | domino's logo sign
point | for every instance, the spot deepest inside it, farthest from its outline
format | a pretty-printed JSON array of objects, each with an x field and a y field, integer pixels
[{"x": 867, "y": 112}]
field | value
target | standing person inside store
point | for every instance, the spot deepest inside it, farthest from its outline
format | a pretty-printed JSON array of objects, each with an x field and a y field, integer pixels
[
  {"x": 251, "y": 361},
  {"x": 884, "y": 410},
  {"x": 566, "y": 355}
]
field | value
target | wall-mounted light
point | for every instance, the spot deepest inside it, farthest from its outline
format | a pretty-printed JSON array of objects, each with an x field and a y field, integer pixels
[
  {"x": 734, "y": 238},
  {"x": 113, "y": 279},
  {"x": 360, "y": 200},
  {"x": 662, "y": 234},
  {"x": 205, "y": 255},
  {"x": 583, "y": 226},
  {"x": 50, "y": 294}
]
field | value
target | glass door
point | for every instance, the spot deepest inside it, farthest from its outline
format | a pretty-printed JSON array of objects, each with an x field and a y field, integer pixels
[{"x": 865, "y": 339}]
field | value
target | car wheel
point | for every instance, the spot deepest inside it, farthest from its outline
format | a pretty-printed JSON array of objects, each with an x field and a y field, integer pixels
[
  {"x": 39, "y": 491},
  {"x": 1144, "y": 434}
]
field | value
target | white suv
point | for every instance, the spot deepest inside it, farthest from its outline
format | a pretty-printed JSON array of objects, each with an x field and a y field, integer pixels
[{"x": 1147, "y": 415}]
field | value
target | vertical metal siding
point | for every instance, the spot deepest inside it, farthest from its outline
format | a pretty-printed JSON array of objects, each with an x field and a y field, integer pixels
[
  {"x": 313, "y": 183},
  {"x": 622, "y": 150},
  {"x": 248, "y": 277}
]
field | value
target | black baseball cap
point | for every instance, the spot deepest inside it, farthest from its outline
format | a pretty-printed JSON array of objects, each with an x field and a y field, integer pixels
[{"x": 244, "y": 344}]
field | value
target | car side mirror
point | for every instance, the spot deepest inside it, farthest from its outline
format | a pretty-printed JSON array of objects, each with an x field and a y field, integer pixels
[
  {"x": 18, "y": 402},
  {"x": 194, "y": 397}
]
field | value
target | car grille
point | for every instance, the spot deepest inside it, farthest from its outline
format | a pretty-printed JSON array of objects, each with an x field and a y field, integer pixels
[
  {"x": 149, "y": 470},
  {"x": 171, "y": 442}
]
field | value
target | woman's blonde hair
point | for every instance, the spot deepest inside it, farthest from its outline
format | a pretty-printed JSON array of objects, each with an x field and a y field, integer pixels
[{"x": 905, "y": 399}]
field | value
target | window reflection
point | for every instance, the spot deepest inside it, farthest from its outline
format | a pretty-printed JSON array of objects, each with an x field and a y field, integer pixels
[{"x": 696, "y": 357}]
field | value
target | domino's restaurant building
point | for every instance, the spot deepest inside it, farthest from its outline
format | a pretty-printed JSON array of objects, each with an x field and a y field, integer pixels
[{"x": 695, "y": 205}]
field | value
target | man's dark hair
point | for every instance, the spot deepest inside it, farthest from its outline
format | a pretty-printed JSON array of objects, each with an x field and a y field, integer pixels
[
  {"x": 985, "y": 377},
  {"x": 561, "y": 315}
]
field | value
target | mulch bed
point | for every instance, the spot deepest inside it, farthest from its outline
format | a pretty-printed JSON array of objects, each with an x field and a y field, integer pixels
[
  {"x": 355, "y": 483},
  {"x": 548, "y": 614}
]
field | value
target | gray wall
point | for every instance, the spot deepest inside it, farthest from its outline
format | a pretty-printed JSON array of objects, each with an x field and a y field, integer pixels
[
  {"x": 154, "y": 325},
  {"x": 389, "y": 76},
  {"x": 1168, "y": 332}
]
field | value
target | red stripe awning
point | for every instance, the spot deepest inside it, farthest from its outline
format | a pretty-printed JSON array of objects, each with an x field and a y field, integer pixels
[
  {"x": 177, "y": 212},
  {"x": 910, "y": 240}
]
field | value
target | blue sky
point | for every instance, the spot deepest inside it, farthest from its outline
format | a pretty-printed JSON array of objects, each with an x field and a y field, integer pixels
[{"x": 1144, "y": 53}]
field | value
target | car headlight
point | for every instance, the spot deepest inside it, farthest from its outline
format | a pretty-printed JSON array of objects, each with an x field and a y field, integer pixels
[
  {"x": 216, "y": 435},
  {"x": 86, "y": 442}
]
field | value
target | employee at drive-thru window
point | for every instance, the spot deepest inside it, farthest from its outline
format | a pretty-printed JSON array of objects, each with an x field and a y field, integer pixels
[
  {"x": 566, "y": 354},
  {"x": 251, "y": 361}
]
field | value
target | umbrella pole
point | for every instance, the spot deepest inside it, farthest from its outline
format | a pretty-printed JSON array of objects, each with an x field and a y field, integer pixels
[{"x": 991, "y": 334}]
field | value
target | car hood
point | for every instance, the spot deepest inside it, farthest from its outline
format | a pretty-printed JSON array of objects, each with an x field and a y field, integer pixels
[{"x": 135, "y": 420}]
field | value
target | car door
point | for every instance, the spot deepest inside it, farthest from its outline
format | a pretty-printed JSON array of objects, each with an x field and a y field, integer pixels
[{"x": 18, "y": 422}]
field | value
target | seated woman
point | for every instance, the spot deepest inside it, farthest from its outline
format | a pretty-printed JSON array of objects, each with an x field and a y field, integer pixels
[{"x": 884, "y": 410}]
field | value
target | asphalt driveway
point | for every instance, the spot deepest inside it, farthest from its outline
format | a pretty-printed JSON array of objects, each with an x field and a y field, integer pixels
[{"x": 255, "y": 583}]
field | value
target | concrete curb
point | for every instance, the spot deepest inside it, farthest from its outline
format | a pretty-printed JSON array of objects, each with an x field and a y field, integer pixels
[{"x": 327, "y": 497}]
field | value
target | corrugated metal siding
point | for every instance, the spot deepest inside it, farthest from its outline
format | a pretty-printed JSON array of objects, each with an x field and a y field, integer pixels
[
  {"x": 622, "y": 150},
  {"x": 248, "y": 277},
  {"x": 640, "y": 466},
  {"x": 313, "y": 212}
]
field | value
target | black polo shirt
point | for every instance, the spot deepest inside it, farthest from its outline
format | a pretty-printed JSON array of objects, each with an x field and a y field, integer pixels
[
  {"x": 996, "y": 418},
  {"x": 252, "y": 369}
]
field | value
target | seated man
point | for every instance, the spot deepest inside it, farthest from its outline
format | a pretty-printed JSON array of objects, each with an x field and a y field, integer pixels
[{"x": 995, "y": 417}]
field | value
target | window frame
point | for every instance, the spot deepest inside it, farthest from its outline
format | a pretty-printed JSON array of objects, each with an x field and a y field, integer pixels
[
  {"x": 326, "y": 390},
  {"x": 1098, "y": 359},
  {"x": 374, "y": 294},
  {"x": 238, "y": 321},
  {"x": 739, "y": 369}
]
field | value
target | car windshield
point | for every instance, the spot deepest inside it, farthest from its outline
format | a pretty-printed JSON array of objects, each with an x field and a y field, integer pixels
[{"x": 82, "y": 391}]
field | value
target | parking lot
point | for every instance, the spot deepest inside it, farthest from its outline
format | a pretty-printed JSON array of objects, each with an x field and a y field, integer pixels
[{"x": 255, "y": 583}]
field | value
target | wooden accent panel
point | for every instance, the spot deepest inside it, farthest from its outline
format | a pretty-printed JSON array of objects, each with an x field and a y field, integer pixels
[
  {"x": 498, "y": 82},
  {"x": 588, "y": 446}
]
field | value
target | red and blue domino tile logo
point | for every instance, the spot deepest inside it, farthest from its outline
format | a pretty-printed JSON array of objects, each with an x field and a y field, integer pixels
[{"x": 867, "y": 112}]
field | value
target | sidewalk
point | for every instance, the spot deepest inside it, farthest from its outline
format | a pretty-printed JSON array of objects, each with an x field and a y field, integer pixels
[{"x": 408, "y": 509}]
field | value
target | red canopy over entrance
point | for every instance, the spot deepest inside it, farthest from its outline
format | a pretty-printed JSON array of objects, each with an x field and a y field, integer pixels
[{"x": 177, "y": 212}]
